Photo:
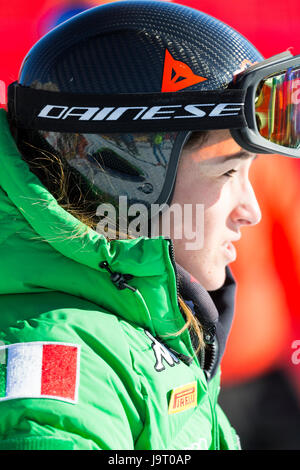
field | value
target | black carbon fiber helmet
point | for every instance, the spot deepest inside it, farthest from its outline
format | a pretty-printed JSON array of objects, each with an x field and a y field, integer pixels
[{"x": 144, "y": 48}]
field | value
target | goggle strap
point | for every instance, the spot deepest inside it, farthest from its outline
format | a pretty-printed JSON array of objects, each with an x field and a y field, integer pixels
[{"x": 134, "y": 112}]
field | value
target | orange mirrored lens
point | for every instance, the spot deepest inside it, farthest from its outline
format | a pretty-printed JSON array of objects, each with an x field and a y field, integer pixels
[{"x": 277, "y": 108}]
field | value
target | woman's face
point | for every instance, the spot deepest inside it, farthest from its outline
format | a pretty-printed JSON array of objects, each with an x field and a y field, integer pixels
[{"x": 215, "y": 175}]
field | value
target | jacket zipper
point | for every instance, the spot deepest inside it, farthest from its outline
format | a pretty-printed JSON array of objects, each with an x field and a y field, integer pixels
[
  {"x": 211, "y": 359},
  {"x": 186, "y": 359},
  {"x": 202, "y": 356},
  {"x": 207, "y": 368},
  {"x": 172, "y": 257}
]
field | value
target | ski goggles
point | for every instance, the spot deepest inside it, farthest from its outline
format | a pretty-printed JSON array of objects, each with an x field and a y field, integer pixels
[
  {"x": 272, "y": 106},
  {"x": 261, "y": 107}
]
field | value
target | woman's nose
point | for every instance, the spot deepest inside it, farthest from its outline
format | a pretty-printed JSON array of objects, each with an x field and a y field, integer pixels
[{"x": 247, "y": 210}]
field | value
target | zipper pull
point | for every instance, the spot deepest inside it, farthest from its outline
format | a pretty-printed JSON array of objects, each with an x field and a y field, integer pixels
[
  {"x": 118, "y": 279},
  {"x": 183, "y": 357}
]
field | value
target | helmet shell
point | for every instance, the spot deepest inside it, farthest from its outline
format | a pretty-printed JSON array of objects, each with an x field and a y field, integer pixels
[{"x": 120, "y": 48}]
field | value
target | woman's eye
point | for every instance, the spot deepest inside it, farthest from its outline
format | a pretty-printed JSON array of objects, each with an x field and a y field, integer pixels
[{"x": 230, "y": 173}]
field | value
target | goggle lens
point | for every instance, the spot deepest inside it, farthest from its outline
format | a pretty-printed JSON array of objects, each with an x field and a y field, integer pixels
[{"x": 277, "y": 108}]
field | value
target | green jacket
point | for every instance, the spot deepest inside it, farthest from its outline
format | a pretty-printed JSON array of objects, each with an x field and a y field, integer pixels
[{"x": 82, "y": 363}]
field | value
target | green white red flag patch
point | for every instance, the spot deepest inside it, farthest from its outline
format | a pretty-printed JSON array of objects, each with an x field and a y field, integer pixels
[{"x": 39, "y": 370}]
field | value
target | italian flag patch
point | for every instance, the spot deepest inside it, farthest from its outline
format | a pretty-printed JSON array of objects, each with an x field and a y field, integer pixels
[{"x": 39, "y": 370}]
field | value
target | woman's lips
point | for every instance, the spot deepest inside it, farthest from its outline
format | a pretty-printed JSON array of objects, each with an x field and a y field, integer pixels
[{"x": 230, "y": 251}]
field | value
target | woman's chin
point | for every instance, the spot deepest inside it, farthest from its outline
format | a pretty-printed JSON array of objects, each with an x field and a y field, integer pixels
[{"x": 213, "y": 280}]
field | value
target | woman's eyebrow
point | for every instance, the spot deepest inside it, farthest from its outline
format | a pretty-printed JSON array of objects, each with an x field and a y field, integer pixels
[{"x": 238, "y": 155}]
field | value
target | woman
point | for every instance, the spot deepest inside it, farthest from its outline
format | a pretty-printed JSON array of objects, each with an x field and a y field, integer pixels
[{"x": 113, "y": 342}]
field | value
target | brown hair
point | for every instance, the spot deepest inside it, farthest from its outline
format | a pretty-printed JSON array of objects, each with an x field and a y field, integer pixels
[{"x": 196, "y": 140}]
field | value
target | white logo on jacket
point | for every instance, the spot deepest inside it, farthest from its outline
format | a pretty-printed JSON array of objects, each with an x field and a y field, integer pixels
[{"x": 161, "y": 353}]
